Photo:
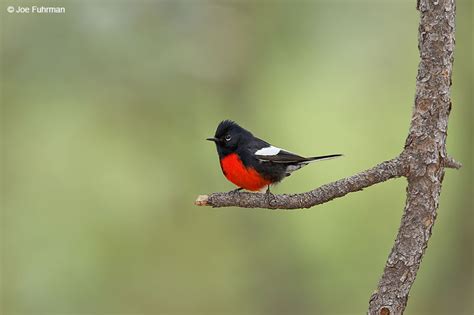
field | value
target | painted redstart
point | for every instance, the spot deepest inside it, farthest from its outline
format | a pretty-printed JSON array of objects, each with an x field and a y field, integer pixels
[{"x": 254, "y": 164}]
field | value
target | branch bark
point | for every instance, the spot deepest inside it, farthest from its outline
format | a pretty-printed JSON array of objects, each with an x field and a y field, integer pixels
[
  {"x": 426, "y": 147},
  {"x": 380, "y": 173},
  {"x": 422, "y": 162}
]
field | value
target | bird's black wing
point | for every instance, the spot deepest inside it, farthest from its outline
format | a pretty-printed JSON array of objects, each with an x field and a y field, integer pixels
[{"x": 277, "y": 155}]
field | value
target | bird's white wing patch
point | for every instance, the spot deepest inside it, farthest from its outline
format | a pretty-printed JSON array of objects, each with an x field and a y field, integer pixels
[{"x": 271, "y": 150}]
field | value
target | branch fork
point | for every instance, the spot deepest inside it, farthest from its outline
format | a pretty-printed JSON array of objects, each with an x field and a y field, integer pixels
[
  {"x": 422, "y": 162},
  {"x": 397, "y": 167}
]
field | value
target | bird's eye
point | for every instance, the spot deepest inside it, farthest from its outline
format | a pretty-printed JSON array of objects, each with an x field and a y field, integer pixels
[{"x": 228, "y": 138}]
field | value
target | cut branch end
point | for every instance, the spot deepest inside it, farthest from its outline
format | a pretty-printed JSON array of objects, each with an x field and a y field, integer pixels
[
  {"x": 449, "y": 162},
  {"x": 201, "y": 200}
]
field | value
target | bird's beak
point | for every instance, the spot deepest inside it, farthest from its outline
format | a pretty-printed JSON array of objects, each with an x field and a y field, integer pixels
[{"x": 213, "y": 139}]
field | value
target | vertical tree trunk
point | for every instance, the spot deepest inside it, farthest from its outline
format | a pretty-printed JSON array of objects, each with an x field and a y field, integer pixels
[
  {"x": 422, "y": 162},
  {"x": 425, "y": 150}
]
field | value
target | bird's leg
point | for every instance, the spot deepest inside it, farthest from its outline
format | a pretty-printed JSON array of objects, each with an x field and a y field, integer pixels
[
  {"x": 268, "y": 194},
  {"x": 268, "y": 191},
  {"x": 235, "y": 190}
]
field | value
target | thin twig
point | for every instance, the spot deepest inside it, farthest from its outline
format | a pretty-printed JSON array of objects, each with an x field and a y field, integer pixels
[{"x": 380, "y": 173}]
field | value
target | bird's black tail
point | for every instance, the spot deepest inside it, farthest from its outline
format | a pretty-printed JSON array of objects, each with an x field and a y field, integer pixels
[{"x": 323, "y": 157}]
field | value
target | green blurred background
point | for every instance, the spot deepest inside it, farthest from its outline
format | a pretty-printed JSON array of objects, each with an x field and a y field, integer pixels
[{"x": 104, "y": 114}]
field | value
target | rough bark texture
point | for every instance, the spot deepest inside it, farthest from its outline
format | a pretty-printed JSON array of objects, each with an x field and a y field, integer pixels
[
  {"x": 426, "y": 147},
  {"x": 380, "y": 173},
  {"x": 422, "y": 162}
]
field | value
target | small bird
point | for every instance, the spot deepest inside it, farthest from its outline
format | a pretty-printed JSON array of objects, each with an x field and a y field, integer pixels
[{"x": 254, "y": 164}]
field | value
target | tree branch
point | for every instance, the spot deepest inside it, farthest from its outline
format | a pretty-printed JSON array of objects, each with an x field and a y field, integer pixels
[
  {"x": 449, "y": 162},
  {"x": 380, "y": 173},
  {"x": 426, "y": 147},
  {"x": 422, "y": 161}
]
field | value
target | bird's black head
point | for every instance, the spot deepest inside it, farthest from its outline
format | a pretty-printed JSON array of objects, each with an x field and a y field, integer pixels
[{"x": 229, "y": 135}]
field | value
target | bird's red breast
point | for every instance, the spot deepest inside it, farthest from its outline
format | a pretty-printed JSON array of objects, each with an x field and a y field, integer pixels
[{"x": 242, "y": 176}]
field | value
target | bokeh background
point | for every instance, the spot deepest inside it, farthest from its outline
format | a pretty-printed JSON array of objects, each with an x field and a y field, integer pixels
[{"x": 104, "y": 114}]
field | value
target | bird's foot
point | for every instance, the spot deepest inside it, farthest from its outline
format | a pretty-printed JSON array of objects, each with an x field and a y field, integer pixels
[
  {"x": 234, "y": 191},
  {"x": 268, "y": 195}
]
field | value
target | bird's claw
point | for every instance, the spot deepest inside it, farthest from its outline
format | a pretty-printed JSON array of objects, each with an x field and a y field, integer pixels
[
  {"x": 234, "y": 191},
  {"x": 268, "y": 195}
]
